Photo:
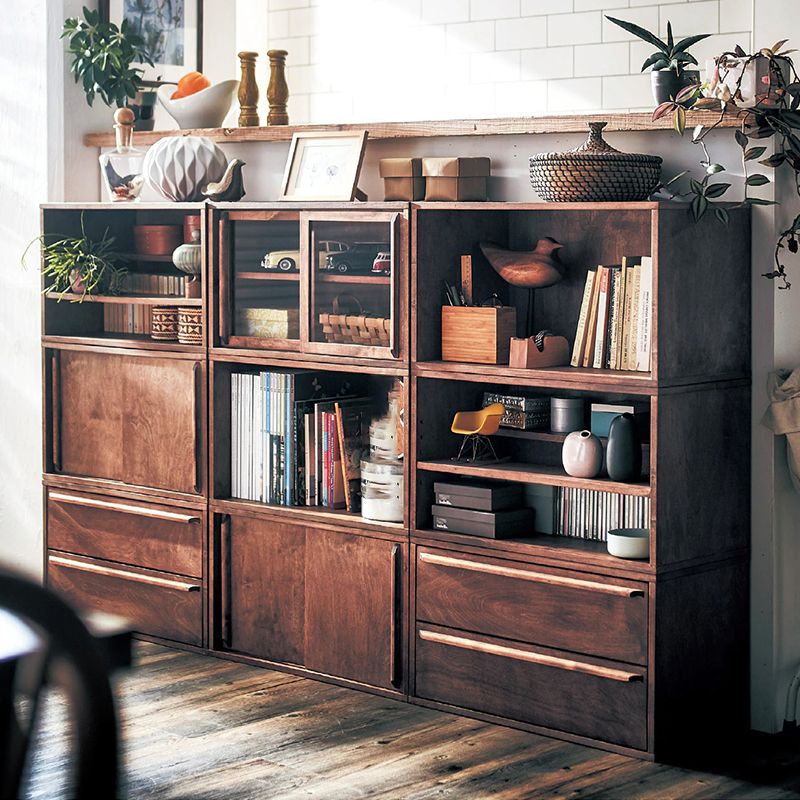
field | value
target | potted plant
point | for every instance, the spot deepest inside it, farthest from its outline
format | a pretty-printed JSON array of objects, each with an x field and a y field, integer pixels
[
  {"x": 79, "y": 265},
  {"x": 102, "y": 57},
  {"x": 669, "y": 73}
]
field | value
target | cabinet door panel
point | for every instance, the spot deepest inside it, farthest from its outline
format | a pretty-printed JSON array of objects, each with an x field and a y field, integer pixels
[
  {"x": 265, "y": 587},
  {"x": 353, "y": 607},
  {"x": 131, "y": 419}
]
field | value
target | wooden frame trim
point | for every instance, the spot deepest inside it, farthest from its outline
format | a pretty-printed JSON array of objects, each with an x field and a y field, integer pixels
[
  {"x": 124, "y": 574},
  {"x": 124, "y": 508}
]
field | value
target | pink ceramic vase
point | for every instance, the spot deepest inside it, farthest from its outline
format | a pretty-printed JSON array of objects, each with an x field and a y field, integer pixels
[{"x": 582, "y": 455}]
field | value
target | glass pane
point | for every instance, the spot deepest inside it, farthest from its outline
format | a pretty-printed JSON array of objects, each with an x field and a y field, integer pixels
[
  {"x": 265, "y": 259},
  {"x": 353, "y": 267}
]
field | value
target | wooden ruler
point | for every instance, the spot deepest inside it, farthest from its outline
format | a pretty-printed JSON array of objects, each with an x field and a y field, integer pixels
[{"x": 466, "y": 279}]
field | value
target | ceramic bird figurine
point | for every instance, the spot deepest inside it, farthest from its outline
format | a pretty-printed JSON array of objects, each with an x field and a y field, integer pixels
[
  {"x": 230, "y": 187},
  {"x": 528, "y": 269}
]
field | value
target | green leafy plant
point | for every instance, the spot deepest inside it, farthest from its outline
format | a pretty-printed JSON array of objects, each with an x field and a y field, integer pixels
[
  {"x": 670, "y": 54},
  {"x": 79, "y": 265},
  {"x": 775, "y": 117},
  {"x": 102, "y": 54}
]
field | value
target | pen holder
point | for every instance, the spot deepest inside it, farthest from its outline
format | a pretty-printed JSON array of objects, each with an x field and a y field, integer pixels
[
  {"x": 477, "y": 334},
  {"x": 524, "y": 354}
]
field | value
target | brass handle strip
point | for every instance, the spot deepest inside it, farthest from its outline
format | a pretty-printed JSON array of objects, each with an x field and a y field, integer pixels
[
  {"x": 141, "y": 511},
  {"x": 530, "y": 575},
  {"x": 137, "y": 577},
  {"x": 394, "y": 628},
  {"x": 541, "y": 659}
]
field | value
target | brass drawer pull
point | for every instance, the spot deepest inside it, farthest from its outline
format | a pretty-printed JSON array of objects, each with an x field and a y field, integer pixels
[
  {"x": 534, "y": 658},
  {"x": 153, "y": 580},
  {"x": 169, "y": 516},
  {"x": 529, "y": 575}
]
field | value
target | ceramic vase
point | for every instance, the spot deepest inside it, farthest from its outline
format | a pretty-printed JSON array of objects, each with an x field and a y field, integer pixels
[
  {"x": 624, "y": 453},
  {"x": 188, "y": 258},
  {"x": 180, "y": 167},
  {"x": 582, "y": 455}
]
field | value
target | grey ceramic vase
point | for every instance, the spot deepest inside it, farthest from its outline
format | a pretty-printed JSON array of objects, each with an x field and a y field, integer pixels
[
  {"x": 624, "y": 451},
  {"x": 582, "y": 455}
]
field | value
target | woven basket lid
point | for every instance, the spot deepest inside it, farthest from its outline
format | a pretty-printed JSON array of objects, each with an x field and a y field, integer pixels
[{"x": 596, "y": 149}]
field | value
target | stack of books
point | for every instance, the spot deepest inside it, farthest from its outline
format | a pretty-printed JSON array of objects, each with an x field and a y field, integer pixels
[
  {"x": 591, "y": 514},
  {"x": 127, "y": 318},
  {"x": 151, "y": 284},
  {"x": 615, "y": 323}
]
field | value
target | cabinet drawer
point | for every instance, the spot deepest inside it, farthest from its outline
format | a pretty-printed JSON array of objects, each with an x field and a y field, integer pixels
[
  {"x": 154, "y": 602},
  {"x": 575, "y": 694},
  {"x": 145, "y": 534},
  {"x": 557, "y": 608}
]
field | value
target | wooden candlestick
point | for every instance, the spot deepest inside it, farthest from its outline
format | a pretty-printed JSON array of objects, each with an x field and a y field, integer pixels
[
  {"x": 248, "y": 91},
  {"x": 277, "y": 90}
]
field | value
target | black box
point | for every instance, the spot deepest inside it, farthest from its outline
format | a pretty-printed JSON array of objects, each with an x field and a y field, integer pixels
[
  {"x": 478, "y": 496},
  {"x": 489, "y": 524}
]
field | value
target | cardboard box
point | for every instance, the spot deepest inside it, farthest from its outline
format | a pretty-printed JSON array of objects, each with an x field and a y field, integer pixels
[
  {"x": 489, "y": 524},
  {"x": 476, "y": 334},
  {"x": 478, "y": 496},
  {"x": 456, "y": 178},
  {"x": 402, "y": 178}
]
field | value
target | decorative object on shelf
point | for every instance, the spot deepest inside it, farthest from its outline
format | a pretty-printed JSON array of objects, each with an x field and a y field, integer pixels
[
  {"x": 476, "y": 427},
  {"x": 350, "y": 324},
  {"x": 121, "y": 167},
  {"x": 540, "y": 351},
  {"x": 624, "y": 451},
  {"x": 477, "y": 334},
  {"x": 172, "y": 33},
  {"x": 629, "y": 542},
  {"x": 382, "y": 489},
  {"x": 188, "y": 258},
  {"x": 750, "y": 81},
  {"x": 324, "y": 165},
  {"x": 566, "y": 414},
  {"x": 104, "y": 57},
  {"x": 191, "y": 223},
  {"x": 190, "y": 83},
  {"x": 522, "y": 413},
  {"x": 456, "y": 179},
  {"x": 669, "y": 74},
  {"x": 164, "y": 323},
  {"x": 582, "y": 455},
  {"x": 204, "y": 109},
  {"x": 529, "y": 269},
  {"x": 248, "y": 90},
  {"x": 402, "y": 178},
  {"x": 277, "y": 88},
  {"x": 594, "y": 172},
  {"x": 180, "y": 167},
  {"x": 230, "y": 187},
  {"x": 144, "y": 105},
  {"x": 156, "y": 240},
  {"x": 190, "y": 325},
  {"x": 268, "y": 323}
]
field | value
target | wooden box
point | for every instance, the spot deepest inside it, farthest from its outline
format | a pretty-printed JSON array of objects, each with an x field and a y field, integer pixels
[
  {"x": 479, "y": 496},
  {"x": 456, "y": 179},
  {"x": 490, "y": 524},
  {"x": 477, "y": 335},
  {"x": 402, "y": 178},
  {"x": 526, "y": 355}
]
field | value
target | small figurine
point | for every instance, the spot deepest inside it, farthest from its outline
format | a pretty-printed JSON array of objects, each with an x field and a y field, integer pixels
[
  {"x": 529, "y": 269},
  {"x": 230, "y": 187},
  {"x": 476, "y": 427}
]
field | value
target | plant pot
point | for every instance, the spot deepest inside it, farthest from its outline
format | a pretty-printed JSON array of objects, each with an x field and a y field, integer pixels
[
  {"x": 144, "y": 106},
  {"x": 76, "y": 282},
  {"x": 666, "y": 84}
]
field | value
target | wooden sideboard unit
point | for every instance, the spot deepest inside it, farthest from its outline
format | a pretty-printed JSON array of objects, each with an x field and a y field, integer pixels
[{"x": 546, "y": 633}]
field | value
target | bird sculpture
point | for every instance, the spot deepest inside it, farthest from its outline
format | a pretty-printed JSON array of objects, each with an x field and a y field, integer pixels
[
  {"x": 230, "y": 187},
  {"x": 528, "y": 269}
]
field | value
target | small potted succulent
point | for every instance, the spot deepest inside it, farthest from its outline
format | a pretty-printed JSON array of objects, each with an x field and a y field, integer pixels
[
  {"x": 102, "y": 58},
  {"x": 669, "y": 63}
]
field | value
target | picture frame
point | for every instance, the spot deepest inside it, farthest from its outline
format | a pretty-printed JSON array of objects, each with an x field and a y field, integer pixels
[
  {"x": 173, "y": 30},
  {"x": 324, "y": 165}
]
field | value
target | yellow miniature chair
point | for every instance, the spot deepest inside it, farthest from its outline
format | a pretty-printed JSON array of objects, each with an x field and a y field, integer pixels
[{"x": 476, "y": 427}]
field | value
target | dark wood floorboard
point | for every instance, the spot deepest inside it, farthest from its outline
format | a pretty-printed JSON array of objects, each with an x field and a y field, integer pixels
[{"x": 199, "y": 727}]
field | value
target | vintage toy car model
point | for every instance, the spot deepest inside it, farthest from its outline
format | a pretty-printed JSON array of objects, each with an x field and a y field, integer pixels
[
  {"x": 288, "y": 260},
  {"x": 382, "y": 265},
  {"x": 359, "y": 258}
]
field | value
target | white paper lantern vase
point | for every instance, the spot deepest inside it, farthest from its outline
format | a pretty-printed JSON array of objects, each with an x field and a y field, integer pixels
[{"x": 180, "y": 167}]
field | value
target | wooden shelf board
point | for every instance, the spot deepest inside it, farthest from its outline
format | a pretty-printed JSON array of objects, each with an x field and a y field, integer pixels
[
  {"x": 136, "y": 341},
  {"x": 127, "y": 299},
  {"x": 367, "y": 279},
  {"x": 503, "y": 126},
  {"x": 264, "y": 275},
  {"x": 541, "y": 474}
]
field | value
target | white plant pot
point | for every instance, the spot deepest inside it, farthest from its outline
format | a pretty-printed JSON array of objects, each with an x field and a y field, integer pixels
[{"x": 204, "y": 109}]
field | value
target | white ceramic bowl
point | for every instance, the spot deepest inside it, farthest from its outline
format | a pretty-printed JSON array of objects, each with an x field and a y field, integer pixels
[
  {"x": 629, "y": 542},
  {"x": 204, "y": 109}
]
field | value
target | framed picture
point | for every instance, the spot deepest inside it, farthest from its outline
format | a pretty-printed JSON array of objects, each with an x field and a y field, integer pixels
[
  {"x": 324, "y": 166},
  {"x": 172, "y": 31}
]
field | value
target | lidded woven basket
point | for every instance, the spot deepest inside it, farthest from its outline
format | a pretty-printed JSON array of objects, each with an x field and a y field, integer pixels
[{"x": 594, "y": 172}]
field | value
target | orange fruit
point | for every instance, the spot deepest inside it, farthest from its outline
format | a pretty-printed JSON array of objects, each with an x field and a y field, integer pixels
[{"x": 191, "y": 83}]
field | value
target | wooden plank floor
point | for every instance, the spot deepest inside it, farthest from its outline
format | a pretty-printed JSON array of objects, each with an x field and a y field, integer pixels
[{"x": 199, "y": 727}]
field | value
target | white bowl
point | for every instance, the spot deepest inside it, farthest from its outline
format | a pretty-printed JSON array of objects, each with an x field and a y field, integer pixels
[
  {"x": 629, "y": 542},
  {"x": 204, "y": 109}
]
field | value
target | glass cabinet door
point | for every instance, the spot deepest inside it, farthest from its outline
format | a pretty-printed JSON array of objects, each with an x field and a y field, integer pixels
[
  {"x": 353, "y": 268},
  {"x": 260, "y": 279}
]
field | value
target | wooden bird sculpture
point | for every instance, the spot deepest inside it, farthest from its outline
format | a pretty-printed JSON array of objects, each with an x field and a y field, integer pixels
[
  {"x": 528, "y": 269},
  {"x": 230, "y": 186}
]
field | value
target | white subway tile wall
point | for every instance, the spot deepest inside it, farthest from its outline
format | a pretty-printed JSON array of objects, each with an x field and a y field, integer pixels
[{"x": 352, "y": 61}]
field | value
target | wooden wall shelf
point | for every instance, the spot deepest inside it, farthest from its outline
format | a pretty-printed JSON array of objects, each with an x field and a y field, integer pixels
[
  {"x": 130, "y": 299},
  {"x": 502, "y": 126}
]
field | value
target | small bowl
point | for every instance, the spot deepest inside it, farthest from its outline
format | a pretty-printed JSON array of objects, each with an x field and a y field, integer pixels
[
  {"x": 629, "y": 542},
  {"x": 204, "y": 109}
]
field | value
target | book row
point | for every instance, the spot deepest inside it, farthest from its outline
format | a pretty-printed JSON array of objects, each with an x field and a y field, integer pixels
[
  {"x": 158, "y": 285},
  {"x": 591, "y": 514},
  {"x": 127, "y": 319}
]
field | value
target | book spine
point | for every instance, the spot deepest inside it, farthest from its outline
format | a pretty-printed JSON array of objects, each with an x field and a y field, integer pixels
[
  {"x": 580, "y": 331},
  {"x": 611, "y": 340},
  {"x": 626, "y": 318},
  {"x": 619, "y": 323},
  {"x": 602, "y": 319},
  {"x": 645, "y": 315},
  {"x": 637, "y": 272},
  {"x": 591, "y": 325}
]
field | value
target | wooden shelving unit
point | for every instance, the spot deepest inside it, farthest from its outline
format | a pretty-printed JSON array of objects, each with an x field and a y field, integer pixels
[{"x": 127, "y": 299}]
